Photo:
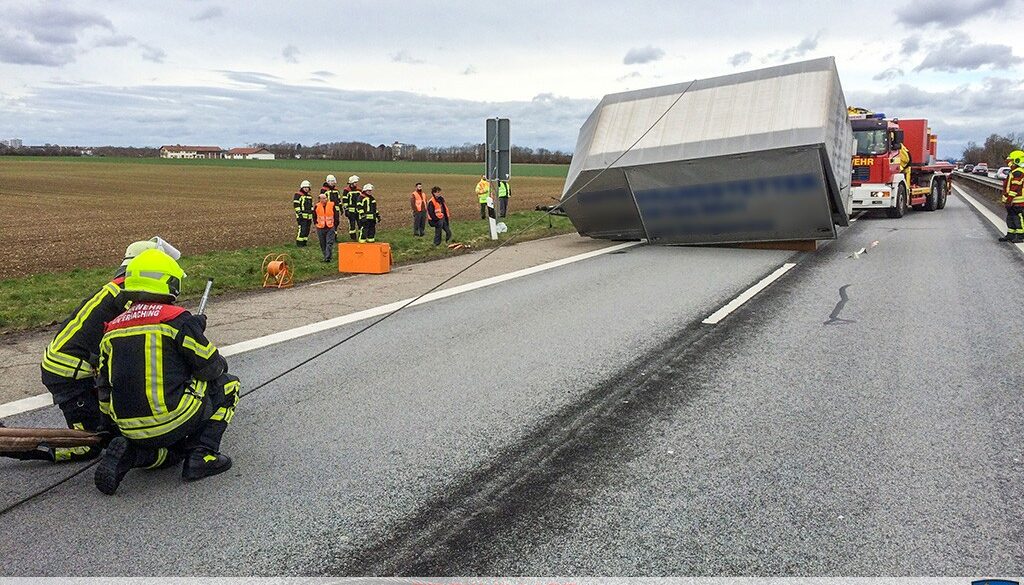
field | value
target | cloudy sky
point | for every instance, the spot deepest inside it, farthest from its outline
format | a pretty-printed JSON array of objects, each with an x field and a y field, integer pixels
[{"x": 97, "y": 72}]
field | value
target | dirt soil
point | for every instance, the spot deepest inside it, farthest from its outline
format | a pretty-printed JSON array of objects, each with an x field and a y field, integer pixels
[{"x": 57, "y": 216}]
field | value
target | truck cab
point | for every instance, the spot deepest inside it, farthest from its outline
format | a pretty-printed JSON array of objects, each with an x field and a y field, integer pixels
[{"x": 877, "y": 180}]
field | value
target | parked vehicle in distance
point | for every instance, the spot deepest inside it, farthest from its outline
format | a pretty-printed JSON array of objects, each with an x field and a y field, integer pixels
[
  {"x": 980, "y": 169},
  {"x": 1003, "y": 172},
  {"x": 968, "y": 168}
]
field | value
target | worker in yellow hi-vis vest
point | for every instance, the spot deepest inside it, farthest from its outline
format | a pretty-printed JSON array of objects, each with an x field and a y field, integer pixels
[{"x": 483, "y": 191}]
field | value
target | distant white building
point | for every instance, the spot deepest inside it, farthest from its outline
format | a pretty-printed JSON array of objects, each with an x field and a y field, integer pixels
[
  {"x": 12, "y": 143},
  {"x": 179, "y": 151},
  {"x": 250, "y": 154}
]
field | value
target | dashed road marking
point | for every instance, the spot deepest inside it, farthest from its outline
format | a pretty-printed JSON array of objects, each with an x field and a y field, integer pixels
[{"x": 748, "y": 294}]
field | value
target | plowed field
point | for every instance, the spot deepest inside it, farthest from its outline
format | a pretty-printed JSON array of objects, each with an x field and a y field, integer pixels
[{"x": 59, "y": 215}]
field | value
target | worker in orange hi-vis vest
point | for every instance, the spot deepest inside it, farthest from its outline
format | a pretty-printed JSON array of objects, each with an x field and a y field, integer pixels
[
  {"x": 418, "y": 203},
  {"x": 326, "y": 221}
]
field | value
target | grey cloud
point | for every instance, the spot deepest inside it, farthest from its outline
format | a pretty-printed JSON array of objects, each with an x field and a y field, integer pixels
[
  {"x": 323, "y": 73},
  {"x": 265, "y": 109},
  {"x": 403, "y": 56},
  {"x": 20, "y": 49},
  {"x": 209, "y": 14},
  {"x": 959, "y": 53},
  {"x": 806, "y": 45},
  {"x": 740, "y": 59},
  {"x": 151, "y": 53},
  {"x": 947, "y": 12},
  {"x": 471, "y": 70},
  {"x": 115, "y": 41},
  {"x": 641, "y": 55},
  {"x": 46, "y": 34},
  {"x": 910, "y": 45},
  {"x": 630, "y": 75},
  {"x": 889, "y": 74},
  {"x": 290, "y": 54}
]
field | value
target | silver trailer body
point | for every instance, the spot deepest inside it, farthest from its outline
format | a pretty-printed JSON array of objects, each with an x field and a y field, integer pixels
[{"x": 757, "y": 156}]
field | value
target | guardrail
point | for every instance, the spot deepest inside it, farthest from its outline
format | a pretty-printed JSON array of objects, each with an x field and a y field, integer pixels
[{"x": 978, "y": 181}]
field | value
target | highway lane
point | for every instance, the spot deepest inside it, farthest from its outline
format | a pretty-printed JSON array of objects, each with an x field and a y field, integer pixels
[
  {"x": 345, "y": 454},
  {"x": 863, "y": 417}
]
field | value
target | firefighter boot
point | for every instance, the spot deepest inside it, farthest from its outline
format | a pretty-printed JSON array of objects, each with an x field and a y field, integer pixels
[
  {"x": 117, "y": 461},
  {"x": 1007, "y": 238},
  {"x": 202, "y": 462}
]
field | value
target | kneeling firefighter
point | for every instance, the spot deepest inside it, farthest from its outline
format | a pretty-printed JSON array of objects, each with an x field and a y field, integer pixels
[
  {"x": 69, "y": 363},
  {"x": 163, "y": 384}
]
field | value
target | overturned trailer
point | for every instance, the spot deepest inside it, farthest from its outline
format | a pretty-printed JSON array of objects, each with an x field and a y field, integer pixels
[{"x": 751, "y": 157}]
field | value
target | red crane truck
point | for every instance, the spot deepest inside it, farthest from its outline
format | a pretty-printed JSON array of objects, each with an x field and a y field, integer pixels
[{"x": 880, "y": 180}]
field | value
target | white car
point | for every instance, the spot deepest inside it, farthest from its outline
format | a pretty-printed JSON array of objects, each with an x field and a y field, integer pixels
[{"x": 1003, "y": 172}]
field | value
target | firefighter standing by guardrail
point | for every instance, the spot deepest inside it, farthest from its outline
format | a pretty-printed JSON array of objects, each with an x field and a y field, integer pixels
[{"x": 1013, "y": 198}]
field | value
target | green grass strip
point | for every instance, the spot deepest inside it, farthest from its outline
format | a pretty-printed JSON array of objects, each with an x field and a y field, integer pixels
[{"x": 43, "y": 299}]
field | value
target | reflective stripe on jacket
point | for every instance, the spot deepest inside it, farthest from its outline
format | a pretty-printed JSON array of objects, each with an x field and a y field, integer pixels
[
  {"x": 367, "y": 208},
  {"x": 303, "y": 204},
  {"x": 155, "y": 362},
  {"x": 68, "y": 355},
  {"x": 1014, "y": 193}
]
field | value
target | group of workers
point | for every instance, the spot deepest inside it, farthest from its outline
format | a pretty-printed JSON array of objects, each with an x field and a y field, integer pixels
[
  {"x": 1013, "y": 198},
  {"x": 138, "y": 370},
  {"x": 483, "y": 193},
  {"x": 359, "y": 207}
]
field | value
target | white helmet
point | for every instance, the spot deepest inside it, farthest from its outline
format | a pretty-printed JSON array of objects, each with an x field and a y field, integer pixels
[
  {"x": 304, "y": 185},
  {"x": 353, "y": 179},
  {"x": 368, "y": 187},
  {"x": 331, "y": 180}
]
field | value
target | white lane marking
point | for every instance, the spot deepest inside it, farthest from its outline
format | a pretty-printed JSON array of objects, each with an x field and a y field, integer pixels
[
  {"x": 997, "y": 221},
  {"x": 34, "y": 402},
  {"x": 25, "y": 405},
  {"x": 748, "y": 294}
]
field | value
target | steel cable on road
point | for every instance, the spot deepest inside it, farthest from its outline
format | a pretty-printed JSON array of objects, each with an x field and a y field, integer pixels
[{"x": 386, "y": 316}]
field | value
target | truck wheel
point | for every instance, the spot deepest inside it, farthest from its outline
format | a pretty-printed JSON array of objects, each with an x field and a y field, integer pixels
[
  {"x": 943, "y": 193},
  {"x": 901, "y": 203},
  {"x": 932, "y": 202}
]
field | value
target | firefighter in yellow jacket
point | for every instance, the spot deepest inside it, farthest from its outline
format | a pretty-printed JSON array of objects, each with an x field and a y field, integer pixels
[
  {"x": 69, "y": 363},
  {"x": 1013, "y": 199},
  {"x": 161, "y": 381}
]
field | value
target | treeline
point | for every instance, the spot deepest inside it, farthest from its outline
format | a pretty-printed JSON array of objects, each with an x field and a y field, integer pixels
[
  {"x": 468, "y": 152},
  {"x": 993, "y": 151},
  {"x": 58, "y": 150}
]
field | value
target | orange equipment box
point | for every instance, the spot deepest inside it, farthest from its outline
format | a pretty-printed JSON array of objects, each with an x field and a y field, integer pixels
[{"x": 364, "y": 258}]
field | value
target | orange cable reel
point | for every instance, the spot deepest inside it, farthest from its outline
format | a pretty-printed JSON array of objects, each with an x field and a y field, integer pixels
[{"x": 276, "y": 271}]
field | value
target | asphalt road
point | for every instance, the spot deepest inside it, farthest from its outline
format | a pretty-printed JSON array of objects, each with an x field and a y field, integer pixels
[{"x": 583, "y": 421}]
